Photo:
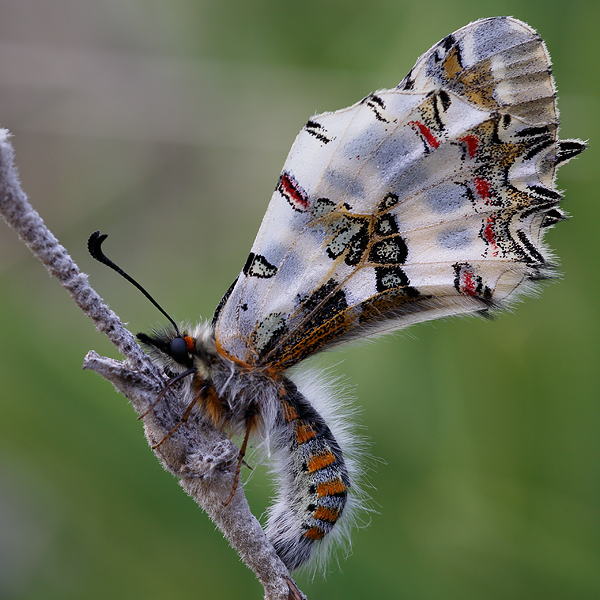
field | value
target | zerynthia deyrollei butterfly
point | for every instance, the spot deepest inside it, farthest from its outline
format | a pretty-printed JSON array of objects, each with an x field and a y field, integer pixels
[{"x": 427, "y": 200}]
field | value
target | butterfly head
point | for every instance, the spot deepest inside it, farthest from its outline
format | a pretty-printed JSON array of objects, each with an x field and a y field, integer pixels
[
  {"x": 176, "y": 352},
  {"x": 169, "y": 346}
]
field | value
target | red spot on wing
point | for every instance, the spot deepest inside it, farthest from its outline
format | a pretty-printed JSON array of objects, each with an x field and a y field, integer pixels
[
  {"x": 467, "y": 283},
  {"x": 425, "y": 132},
  {"x": 472, "y": 143},
  {"x": 489, "y": 235},
  {"x": 289, "y": 188},
  {"x": 483, "y": 188}
]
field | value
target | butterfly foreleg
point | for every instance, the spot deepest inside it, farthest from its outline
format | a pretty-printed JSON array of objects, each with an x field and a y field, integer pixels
[
  {"x": 251, "y": 417},
  {"x": 197, "y": 399}
]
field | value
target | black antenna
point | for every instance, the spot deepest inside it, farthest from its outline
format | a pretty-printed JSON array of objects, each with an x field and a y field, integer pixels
[{"x": 94, "y": 246}]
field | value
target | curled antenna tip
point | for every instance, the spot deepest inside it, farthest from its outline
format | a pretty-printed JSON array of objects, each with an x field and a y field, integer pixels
[
  {"x": 95, "y": 249},
  {"x": 94, "y": 245}
]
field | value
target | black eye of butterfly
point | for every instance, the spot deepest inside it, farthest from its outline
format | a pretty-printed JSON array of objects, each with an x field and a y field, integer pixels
[{"x": 178, "y": 351}]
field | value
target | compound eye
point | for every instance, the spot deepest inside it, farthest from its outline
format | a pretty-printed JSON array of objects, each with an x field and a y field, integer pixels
[{"x": 178, "y": 351}]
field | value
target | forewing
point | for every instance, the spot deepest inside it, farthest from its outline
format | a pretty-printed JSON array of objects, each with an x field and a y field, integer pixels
[{"x": 419, "y": 202}]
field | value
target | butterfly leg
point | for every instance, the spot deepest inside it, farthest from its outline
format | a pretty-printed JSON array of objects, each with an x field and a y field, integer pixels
[
  {"x": 184, "y": 418},
  {"x": 250, "y": 422},
  {"x": 164, "y": 391}
]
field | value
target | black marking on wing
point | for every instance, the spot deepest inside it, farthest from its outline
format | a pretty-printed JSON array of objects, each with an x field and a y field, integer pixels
[
  {"x": 223, "y": 301},
  {"x": 325, "y": 302},
  {"x": 530, "y": 247},
  {"x": 445, "y": 100},
  {"x": 448, "y": 42},
  {"x": 357, "y": 248},
  {"x": 538, "y": 146},
  {"x": 258, "y": 266},
  {"x": 322, "y": 207},
  {"x": 351, "y": 238},
  {"x": 386, "y": 225},
  {"x": 390, "y": 250},
  {"x": 388, "y": 202},
  {"x": 388, "y": 278},
  {"x": 533, "y": 131},
  {"x": 545, "y": 192},
  {"x": 567, "y": 149},
  {"x": 497, "y": 123},
  {"x": 436, "y": 113},
  {"x": 552, "y": 217},
  {"x": 408, "y": 83},
  {"x": 376, "y": 104},
  {"x": 268, "y": 332},
  {"x": 317, "y": 130}
]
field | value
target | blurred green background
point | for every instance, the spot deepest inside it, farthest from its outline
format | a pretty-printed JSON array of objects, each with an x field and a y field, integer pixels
[{"x": 165, "y": 124}]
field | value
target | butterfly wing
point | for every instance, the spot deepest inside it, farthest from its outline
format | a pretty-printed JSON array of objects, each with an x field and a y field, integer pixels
[{"x": 420, "y": 202}]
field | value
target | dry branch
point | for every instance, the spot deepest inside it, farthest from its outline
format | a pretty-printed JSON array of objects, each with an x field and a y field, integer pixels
[{"x": 201, "y": 457}]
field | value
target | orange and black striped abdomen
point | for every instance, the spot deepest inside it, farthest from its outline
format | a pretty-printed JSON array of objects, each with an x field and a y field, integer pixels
[{"x": 315, "y": 482}]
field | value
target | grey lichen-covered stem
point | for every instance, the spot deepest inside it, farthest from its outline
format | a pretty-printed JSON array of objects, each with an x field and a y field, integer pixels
[{"x": 201, "y": 457}]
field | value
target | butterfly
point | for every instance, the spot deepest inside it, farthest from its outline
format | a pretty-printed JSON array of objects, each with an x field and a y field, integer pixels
[{"x": 424, "y": 201}]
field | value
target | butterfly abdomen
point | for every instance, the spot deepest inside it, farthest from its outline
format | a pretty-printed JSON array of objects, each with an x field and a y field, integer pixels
[{"x": 313, "y": 479}]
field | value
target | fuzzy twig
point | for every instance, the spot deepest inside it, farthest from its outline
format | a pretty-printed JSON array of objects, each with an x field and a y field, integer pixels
[{"x": 201, "y": 457}]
